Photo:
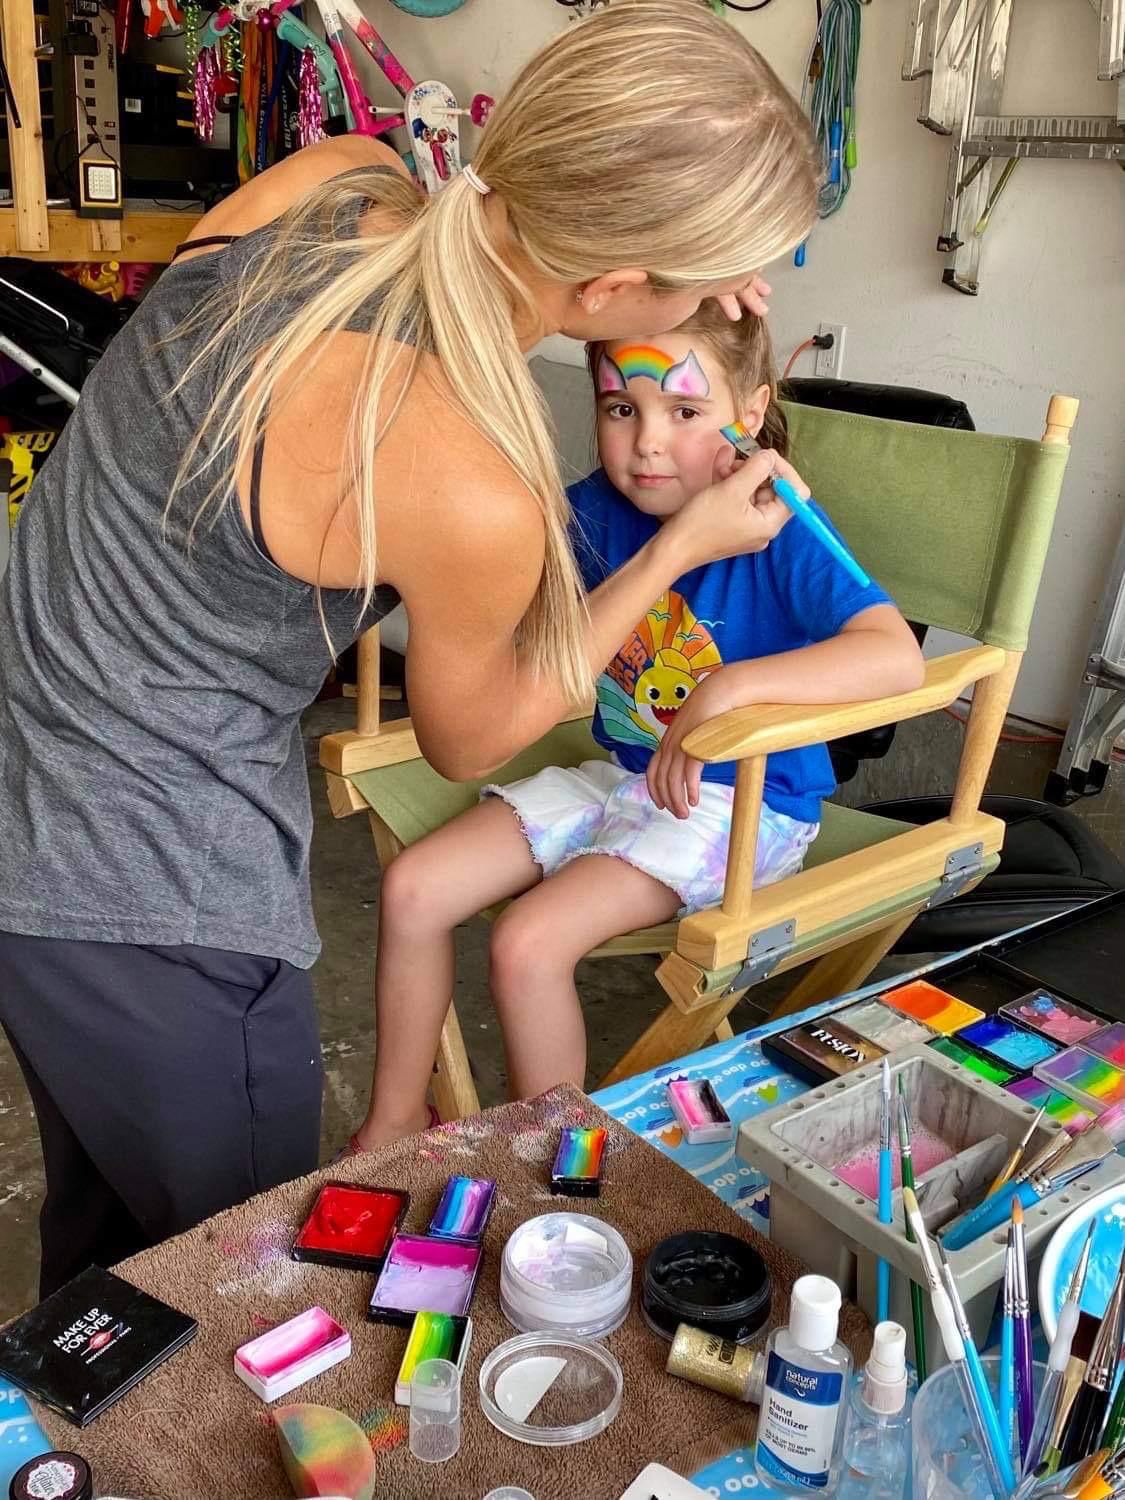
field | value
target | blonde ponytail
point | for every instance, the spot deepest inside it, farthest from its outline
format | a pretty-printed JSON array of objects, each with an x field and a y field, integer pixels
[{"x": 651, "y": 135}]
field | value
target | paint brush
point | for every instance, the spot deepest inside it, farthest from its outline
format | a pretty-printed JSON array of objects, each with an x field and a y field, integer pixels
[
  {"x": 1087, "y": 1415},
  {"x": 1008, "y": 1344},
  {"x": 1025, "y": 1388},
  {"x": 1110, "y": 1477},
  {"x": 886, "y": 1179},
  {"x": 972, "y": 1357},
  {"x": 1058, "y": 1361},
  {"x": 1082, "y": 1346},
  {"x": 976, "y": 1395},
  {"x": 1009, "y": 1169},
  {"x": 1060, "y": 1162},
  {"x": 745, "y": 444},
  {"x": 917, "y": 1300}
]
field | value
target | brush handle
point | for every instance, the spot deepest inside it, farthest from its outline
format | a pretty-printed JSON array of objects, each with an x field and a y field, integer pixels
[
  {"x": 1114, "y": 1435},
  {"x": 1007, "y": 1402},
  {"x": 1044, "y": 1421},
  {"x": 986, "y": 1424},
  {"x": 988, "y": 1215},
  {"x": 1025, "y": 1389},
  {"x": 1084, "y": 1424},
  {"x": 808, "y": 517},
  {"x": 886, "y": 1216}
]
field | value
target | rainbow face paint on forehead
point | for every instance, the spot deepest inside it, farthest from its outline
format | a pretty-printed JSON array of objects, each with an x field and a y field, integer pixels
[{"x": 685, "y": 378}]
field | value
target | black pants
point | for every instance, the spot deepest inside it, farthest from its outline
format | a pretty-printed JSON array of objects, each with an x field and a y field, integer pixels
[{"x": 168, "y": 1083}]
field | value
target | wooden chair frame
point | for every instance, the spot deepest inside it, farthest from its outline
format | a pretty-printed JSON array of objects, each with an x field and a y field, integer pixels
[{"x": 807, "y": 903}]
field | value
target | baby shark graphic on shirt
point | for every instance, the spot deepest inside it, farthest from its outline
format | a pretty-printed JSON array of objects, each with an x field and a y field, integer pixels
[{"x": 655, "y": 672}]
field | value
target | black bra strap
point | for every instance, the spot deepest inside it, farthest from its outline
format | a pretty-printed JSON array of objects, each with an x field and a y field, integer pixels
[
  {"x": 256, "y": 498},
  {"x": 210, "y": 239}
]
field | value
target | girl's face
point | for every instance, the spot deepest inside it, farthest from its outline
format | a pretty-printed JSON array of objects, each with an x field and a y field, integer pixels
[{"x": 661, "y": 402}]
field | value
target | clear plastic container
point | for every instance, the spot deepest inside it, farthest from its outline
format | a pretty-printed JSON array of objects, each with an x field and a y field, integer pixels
[
  {"x": 550, "y": 1390},
  {"x": 566, "y": 1273},
  {"x": 435, "y": 1411},
  {"x": 946, "y": 1459}
]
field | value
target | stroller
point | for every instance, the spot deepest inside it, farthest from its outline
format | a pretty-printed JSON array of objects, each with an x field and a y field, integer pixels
[{"x": 55, "y": 331}]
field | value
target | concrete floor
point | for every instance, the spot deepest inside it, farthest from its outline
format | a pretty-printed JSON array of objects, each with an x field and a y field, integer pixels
[{"x": 620, "y": 996}]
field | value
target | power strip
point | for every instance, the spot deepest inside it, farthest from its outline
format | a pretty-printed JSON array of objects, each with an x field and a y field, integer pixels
[{"x": 658, "y": 1483}]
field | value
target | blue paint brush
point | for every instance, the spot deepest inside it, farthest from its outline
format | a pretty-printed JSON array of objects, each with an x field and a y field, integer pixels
[{"x": 744, "y": 443}]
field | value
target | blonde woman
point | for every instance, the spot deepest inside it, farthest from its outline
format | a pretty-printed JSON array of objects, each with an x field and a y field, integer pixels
[{"x": 324, "y": 407}]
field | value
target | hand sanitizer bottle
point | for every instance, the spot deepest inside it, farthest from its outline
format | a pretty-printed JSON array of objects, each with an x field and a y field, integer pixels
[
  {"x": 877, "y": 1426},
  {"x": 807, "y": 1372}
]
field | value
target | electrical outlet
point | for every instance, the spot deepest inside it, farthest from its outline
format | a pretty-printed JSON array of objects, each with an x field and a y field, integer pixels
[{"x": 830, "y": 362}]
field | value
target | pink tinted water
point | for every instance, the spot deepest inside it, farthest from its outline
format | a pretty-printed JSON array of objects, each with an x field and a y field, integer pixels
[{"x": 861, "y": 1169}]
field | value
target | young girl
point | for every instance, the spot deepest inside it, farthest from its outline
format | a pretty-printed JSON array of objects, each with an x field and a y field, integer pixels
[{"x": 783, "y": 624}]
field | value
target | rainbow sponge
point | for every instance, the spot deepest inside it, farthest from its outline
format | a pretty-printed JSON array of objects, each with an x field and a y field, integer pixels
[{"x": 324, "y": 1452}]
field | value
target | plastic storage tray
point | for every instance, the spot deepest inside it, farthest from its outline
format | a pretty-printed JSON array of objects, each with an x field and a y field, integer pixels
[{"x": 834, "y": 1229}]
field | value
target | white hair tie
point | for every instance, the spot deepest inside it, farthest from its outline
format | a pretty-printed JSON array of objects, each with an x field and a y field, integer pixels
[{"x": 471, "y": 177}]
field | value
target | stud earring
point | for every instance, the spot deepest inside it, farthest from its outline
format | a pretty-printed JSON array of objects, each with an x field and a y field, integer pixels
[{"x": 578, "y": 295}]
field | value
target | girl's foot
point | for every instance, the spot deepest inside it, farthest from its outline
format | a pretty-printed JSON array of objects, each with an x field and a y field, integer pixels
[{"x": 371, "y": 1139}]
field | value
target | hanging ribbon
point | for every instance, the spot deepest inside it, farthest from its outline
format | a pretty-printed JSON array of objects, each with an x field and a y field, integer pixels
[
  {"x": 205, "y": 79},
  {"x": 310, "y": 112}
]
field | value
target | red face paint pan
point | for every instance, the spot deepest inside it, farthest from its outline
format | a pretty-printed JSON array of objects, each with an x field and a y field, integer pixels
[{"x": 351, "y": 1226}]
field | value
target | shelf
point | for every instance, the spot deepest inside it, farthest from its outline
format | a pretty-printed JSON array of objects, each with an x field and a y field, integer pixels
[{"x": 139, "y": 236}]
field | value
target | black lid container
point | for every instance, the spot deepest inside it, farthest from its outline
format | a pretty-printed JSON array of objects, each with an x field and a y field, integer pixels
[
  {"x": 712, "y": 1281},
  {"x": 65, "y": 1475}
]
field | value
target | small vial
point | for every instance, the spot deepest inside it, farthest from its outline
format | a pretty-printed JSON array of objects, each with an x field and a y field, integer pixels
[
  {"x": 807, "y": 1372},
  {"x": 435, "y": 1411},
  {"x": 877, "y": 1425}
]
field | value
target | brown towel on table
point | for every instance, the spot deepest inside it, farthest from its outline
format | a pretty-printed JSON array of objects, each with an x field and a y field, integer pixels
[{"x": 193, "y": 1431}]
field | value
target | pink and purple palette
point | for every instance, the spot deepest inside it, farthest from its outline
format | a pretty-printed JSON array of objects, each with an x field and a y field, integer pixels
[
  {"x": 463, "y": 1210},
  {"x": 699, "y": 1110},
  {"x": 424, "y": 1273},
  {"x": 292, "y": 1353},
  {"x": 351, "y": 1226},
  {"x": 1061, "y": 1020}
]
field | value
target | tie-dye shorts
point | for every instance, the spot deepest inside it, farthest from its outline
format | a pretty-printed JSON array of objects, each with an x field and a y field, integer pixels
[{"x": 599, "y": 808}]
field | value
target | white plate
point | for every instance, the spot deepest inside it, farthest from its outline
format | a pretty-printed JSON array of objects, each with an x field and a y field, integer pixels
[{"x": 1065, "y": 1246}]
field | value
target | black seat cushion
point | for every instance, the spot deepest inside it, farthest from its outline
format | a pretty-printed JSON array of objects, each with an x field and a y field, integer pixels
[{"x": 1050, "y": 863}]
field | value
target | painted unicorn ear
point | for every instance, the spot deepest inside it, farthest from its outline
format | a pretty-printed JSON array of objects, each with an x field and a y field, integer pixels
[
  {"x": 609, "y": 377},
  {"x": 686, "y": 378}
]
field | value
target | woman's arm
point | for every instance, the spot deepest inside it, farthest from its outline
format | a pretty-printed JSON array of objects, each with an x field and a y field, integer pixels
[
  {"x": 874, "y": 656},
  {"x": 467, "y": 566}
]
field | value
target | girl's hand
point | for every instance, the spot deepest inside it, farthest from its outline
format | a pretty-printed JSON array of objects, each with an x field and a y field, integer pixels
[
  {"x": 737, "y": 513},
  {"x": 751, "y": 297},
  {"x": 673, "y": 776}
]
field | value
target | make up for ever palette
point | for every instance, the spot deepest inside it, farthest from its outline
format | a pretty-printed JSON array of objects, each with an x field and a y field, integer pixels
[{"x": 351, "y": 1226}]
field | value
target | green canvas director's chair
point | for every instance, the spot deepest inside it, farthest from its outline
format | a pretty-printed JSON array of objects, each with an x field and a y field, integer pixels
[{"x": 955, "y": 525}]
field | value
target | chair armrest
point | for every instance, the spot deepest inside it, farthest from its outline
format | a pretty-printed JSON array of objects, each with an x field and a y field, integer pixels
[{"x": 764, "y": 728}]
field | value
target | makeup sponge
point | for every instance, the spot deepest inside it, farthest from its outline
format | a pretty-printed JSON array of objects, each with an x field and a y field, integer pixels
[{"x": 324, "y": 1452}]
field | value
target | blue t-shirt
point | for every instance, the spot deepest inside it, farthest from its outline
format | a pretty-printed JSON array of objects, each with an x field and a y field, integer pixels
[{"x": 759, "y": 604}]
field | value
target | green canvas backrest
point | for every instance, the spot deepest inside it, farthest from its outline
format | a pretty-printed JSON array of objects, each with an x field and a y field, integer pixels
[{"x": 954, "y": 525}]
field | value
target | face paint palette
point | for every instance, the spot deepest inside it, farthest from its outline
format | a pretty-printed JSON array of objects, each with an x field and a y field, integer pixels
[
  {"x": 889, "y": 1028},
  {"x": 999, "y": 1039},
  {"x": 433, "y": 1336},
  {"x": 423, "y": 1273},
  {"x": 1061, "y": 1020},
  {"x": 292, "y": 1353},
  {"x": 974, "y": 1062},
  {"x": 821, "y": 1051},
  {"x": 1071, "y": 1116},
  {"x": 1109, "y": 1043},
  {"x": 351, "y": 1226},
  {"x": 578, "y": 1163},
  {"x": 1091, "y": 1080},
  {"x": 933, "y": 1007},
  {"x": 463, "y": 1211},
  {"x": 699, "y": 1110}
]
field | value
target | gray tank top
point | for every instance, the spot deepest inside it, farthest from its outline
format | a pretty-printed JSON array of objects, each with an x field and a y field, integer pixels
[{"x": 153, "y": 786}]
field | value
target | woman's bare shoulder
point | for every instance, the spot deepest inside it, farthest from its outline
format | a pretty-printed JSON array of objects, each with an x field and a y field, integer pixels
[{"x": 269, "y": 195}]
